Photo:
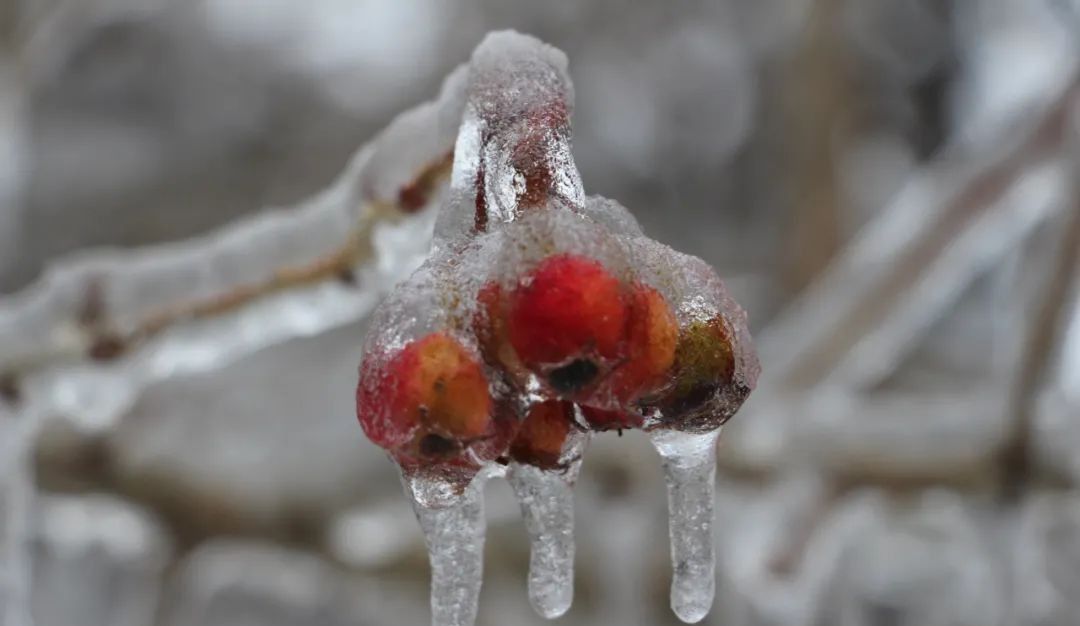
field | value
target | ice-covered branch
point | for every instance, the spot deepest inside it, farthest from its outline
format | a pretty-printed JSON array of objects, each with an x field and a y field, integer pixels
[{"x": 96, "y": 330}]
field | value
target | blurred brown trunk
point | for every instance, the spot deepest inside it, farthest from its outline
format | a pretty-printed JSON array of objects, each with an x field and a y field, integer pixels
[{"x": 819, "y": 100}]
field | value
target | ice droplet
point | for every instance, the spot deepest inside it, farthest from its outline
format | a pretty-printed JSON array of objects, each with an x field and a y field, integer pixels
[
  {"x": 690, "y": 473},
  {"x": 454, "y": 527},
  {"x": 547, "y": 504}
]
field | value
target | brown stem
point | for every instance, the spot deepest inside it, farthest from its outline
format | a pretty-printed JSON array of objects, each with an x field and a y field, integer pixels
[
  {"x": 1040, "y": 337},
  {"x": 958, "y": 212}
]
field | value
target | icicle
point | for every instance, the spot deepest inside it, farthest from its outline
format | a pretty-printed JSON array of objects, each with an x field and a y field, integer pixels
[
  {"x": 547, "y": 504},
  {"x": 690, "y": 471},
  {"x": 454, "y": 529}
]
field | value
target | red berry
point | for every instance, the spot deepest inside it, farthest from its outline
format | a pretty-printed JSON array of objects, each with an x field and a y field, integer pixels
[
  {"x": 652, "y": 334},
  {"x": 432, "y": 396},
  {"x": 543, "y": 434},
  {"x": 566, "y": 320},
  {"x": 605, "y": 419}
]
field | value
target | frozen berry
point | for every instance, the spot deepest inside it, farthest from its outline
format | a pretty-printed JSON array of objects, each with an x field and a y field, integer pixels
[
  {"x": 431, "y": 396},
  {"x": 567, "y": 321},
  {"x": 611, "y": 419},
  {"x": 704, "y": 366},
  {"x": 505, "y": 425},
  {"x": 652, "y": 336},
  {"x": 489, "y": 326},
  {"x": 543, "y": 434}
]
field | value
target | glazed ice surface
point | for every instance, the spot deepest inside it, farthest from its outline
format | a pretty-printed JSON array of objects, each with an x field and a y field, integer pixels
[{"x": 543, "y": 315}]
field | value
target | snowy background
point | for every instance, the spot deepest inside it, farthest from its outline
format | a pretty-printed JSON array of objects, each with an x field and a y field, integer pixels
[{"x": 888, "y": 187}]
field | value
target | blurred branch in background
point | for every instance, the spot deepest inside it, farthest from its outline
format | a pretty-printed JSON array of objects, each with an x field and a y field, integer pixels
[
  {"x": 1045, "y": 336},
  {"x": 821, "y": 102}
]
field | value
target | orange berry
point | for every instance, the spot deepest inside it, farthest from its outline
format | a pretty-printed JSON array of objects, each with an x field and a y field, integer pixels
[
  {"x": 653, "y": 334},
  {"x": 543, "y": 434},
  {"x": 431, "y": 394}
]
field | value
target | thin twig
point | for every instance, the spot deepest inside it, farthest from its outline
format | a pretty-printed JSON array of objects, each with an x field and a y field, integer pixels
[
  {"x": 980, "y": 192},
  {"x": 1040, "y": 336}
]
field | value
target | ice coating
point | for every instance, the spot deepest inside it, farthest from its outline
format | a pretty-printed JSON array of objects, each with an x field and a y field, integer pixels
[
  {"x": 612, "y": 216},
  {"x": 513, "y": 150},
  {"x": 546, "y": 457},
  {"x": 690, "y": 473},
  {"x": 547, "y": 504},
  {"x": 453, "y": 526},
  {"x": 700, "y": 298},
  {"x": 540, "y": 316}
]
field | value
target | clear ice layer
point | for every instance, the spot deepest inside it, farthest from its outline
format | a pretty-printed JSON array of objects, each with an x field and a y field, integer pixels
[
  {"x": 454, "y": 532},
  {"x": 547, "y": 504},
  {"x": 690, "y": 472}
]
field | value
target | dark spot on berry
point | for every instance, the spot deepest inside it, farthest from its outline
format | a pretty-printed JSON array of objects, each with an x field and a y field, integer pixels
[
  {"x": 690, "y": 401},
  {"x": 573, "y": 376},
  {"x": 437, "y": 445}
]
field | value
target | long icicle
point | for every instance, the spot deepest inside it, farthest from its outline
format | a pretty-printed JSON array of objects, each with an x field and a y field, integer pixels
[
  {"x": 454, "y": 529},
  {"x": 690, "y": 473},
  {"x": 547, "y": 504}
]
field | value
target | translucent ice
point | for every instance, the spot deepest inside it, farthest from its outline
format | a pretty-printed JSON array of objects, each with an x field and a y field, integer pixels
[
  {"x": 513, "y": 149},
  {"x": 612, "y": 216},
  {"x": 690, "y": 471},
  {"x": 454, "y": 526},
  {"x": 547, "y": 503}
]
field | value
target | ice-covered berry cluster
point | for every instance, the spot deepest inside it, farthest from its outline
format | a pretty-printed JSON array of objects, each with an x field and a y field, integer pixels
[
  {"x": 540, "y": 316},
  {"x": 542, "y": 312}
]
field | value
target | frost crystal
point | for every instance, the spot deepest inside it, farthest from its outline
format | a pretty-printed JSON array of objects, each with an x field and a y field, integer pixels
[{"x": 541, "y": 315}]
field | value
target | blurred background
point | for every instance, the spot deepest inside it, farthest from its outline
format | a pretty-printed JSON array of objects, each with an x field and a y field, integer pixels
[{"x": 888, "y": 186}]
